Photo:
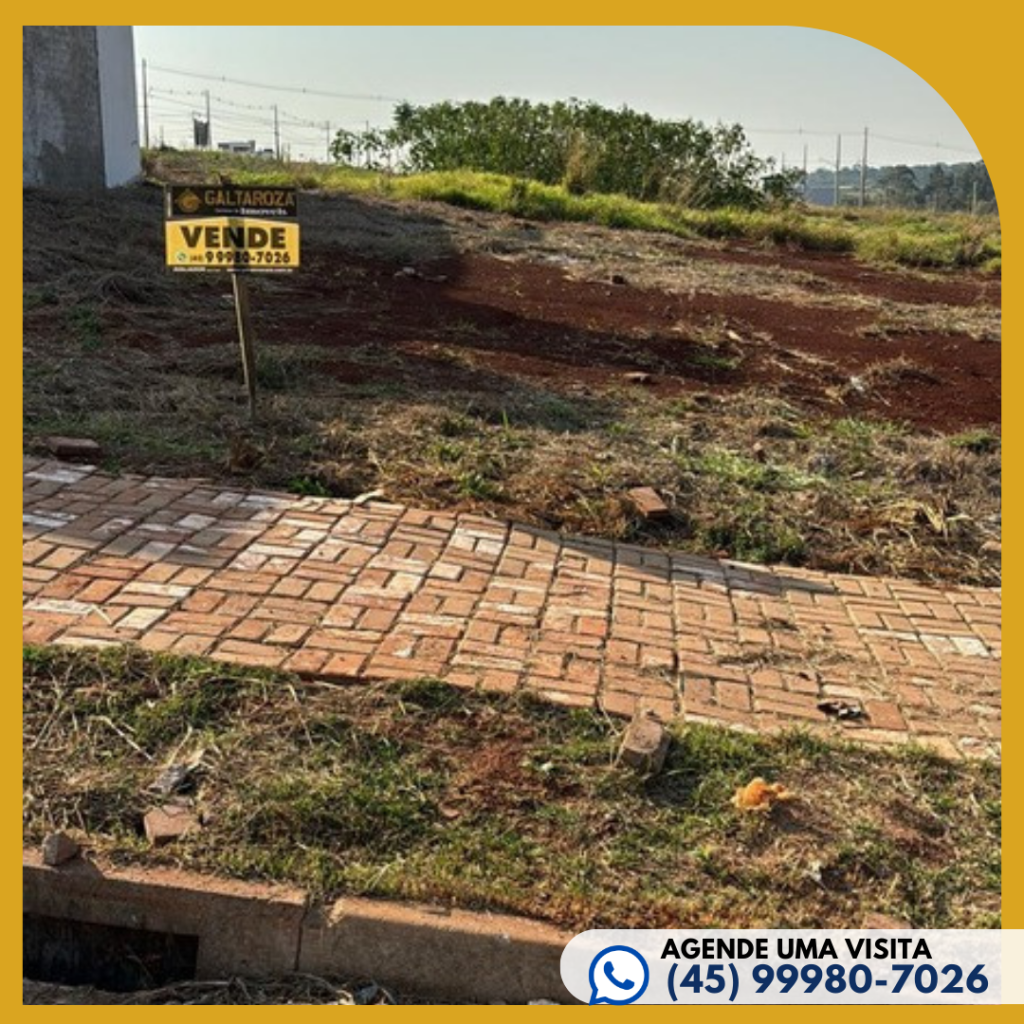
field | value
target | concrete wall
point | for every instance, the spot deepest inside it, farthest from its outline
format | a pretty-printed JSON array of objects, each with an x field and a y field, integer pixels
[
  {"x": 117, "y": 103},
  {"x": 79, "y": 126}
]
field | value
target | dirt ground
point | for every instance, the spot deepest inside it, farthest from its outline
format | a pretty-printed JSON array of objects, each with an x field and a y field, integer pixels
[
  {"x": 536, "y": 321},
  {"x": 539, "y": 303}
]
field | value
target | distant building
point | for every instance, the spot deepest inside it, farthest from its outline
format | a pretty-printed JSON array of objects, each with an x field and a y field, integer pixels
[
  {"x": 79, "y": 119},
  {"x": 238, "y": 147},
  {"x": 245, "y": 148}
]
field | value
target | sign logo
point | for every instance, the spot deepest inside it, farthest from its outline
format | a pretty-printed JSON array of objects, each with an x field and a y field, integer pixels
[{"x": 187, "y": 201}]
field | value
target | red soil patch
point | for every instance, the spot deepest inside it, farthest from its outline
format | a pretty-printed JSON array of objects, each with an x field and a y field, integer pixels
[{"x": 478, "y": 316}]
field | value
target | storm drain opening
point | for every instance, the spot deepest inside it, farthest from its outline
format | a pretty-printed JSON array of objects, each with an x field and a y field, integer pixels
[{"x": 108, "y": 957}]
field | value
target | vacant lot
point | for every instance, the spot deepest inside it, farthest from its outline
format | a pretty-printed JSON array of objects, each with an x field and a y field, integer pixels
[
  {"x": 791, "y": 406},
  {"x": 423, "y": 791}
]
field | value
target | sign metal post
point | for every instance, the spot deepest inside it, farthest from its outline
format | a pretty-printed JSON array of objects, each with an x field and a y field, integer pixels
[{"x": 240, "y": 285}]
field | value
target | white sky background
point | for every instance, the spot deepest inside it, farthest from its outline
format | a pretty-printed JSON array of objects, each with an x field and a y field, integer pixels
[{"x": 773, "y": 81}]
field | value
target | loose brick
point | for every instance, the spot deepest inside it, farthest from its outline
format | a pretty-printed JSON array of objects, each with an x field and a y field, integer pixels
[
  {"x": 168, "y": 823},
  {"x": 645, "y": 744},
  {"x": 648, "y": 503},
  {"x": 59, "y": 847}
]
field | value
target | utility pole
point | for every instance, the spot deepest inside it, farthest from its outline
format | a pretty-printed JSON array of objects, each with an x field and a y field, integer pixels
[
  {"x": 839, "y": 158},
  {"x": 327, "y": 128},
  {"x": 145, "y": 106},
  {"x": 277, "y": 135},
  {"x": 805, "y": 170},
  {"x": 209, "y": 127},
  {"x": 864, "y": 168}
]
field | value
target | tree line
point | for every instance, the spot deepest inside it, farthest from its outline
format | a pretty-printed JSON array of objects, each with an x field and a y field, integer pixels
[
  {"x": 951, "y": 187},
  {"x": 583, "y": 146}
]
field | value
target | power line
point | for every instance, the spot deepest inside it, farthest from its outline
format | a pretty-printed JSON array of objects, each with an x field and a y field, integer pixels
[
  {"x": 170, "y": 99},
  {"x": 223, "y": 100},
  {"x": 925, "y": 145},
  {"x": 874, "y": 135},
  {"x": 285, "y": 117},
  {"x": 792, "y": 131},
  {"x": 366, "y": 97}
]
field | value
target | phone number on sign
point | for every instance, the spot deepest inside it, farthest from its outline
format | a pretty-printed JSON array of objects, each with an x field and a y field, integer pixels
[
  {"x": 243, "y": 256},
  {"x": 921, "y": 978}
]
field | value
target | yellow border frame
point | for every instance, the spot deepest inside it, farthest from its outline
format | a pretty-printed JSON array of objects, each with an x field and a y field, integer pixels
[{"x": 972, "y": 65}]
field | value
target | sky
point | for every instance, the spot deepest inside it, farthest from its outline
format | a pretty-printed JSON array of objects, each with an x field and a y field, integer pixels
[{"x": 790, "y": 88}]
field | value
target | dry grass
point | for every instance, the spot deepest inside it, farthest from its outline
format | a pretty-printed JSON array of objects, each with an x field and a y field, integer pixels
[
  {"x": 295, "y": 990},
  {"x": 896, "y": 320},
  {"x": 420, "y": 791}
]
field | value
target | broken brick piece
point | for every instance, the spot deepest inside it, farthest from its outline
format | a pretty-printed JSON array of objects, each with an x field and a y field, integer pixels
[
  {"x": 58, "y": 847},
  {"x": 74, "y": 447},
  {"x": 167, "y": 823},
  {"x": 645, "y": 744},
  {"x": 647, "y": 502}
]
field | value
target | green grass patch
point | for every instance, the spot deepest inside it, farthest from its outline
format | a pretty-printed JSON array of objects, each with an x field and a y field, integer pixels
[
  {"x": 423, "y": 791},
  {"x": 977, "y": 441},
  {"x": 909, "y": 238}
]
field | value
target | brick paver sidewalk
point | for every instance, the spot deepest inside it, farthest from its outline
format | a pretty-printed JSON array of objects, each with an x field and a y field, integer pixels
[{"x": 329, "y": 588}]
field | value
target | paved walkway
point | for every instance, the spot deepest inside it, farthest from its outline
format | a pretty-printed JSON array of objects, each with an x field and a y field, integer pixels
[{"x": 328, "y": 588}]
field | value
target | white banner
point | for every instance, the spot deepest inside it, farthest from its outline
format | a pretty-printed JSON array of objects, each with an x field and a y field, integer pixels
[{"x": 623, "y": 966}]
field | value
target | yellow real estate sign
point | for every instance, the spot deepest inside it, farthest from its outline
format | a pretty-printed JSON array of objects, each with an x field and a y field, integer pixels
[
  {"x": 231, "y": 228},
  {"x": 232, "y": 243}
]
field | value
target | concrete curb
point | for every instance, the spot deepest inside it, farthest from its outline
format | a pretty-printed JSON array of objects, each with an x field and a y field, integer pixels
[{"x": 253, "y": 930}]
